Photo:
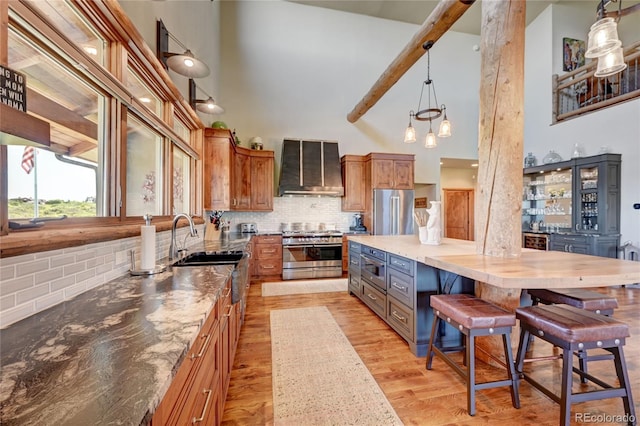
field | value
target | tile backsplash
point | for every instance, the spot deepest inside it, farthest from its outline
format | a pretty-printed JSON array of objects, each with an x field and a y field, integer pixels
[
  {"x": 34, "y": 282},
  {"x": 311, "y": 210}
]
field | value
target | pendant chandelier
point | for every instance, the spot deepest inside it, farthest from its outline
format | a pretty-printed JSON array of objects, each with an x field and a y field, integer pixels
[
  {"x": 429, "y": 113},
  {"x": 603, "y": 43}
]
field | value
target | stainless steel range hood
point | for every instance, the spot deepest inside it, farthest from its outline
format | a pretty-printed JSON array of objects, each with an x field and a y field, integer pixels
[{"x": 310, "y": 167}]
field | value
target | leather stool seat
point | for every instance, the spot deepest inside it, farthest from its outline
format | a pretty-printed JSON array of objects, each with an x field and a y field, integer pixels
[
  {"x": 580, "y": 298},
  {"x": 473, "y": 317},
  {"x": 575, "y": 329}
]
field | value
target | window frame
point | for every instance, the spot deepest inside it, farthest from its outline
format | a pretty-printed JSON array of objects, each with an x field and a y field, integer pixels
[{"x": 126, "y": 48}]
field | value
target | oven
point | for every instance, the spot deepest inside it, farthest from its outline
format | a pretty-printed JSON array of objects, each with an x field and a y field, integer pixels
[
  {"x": 373, "y": 267},
  {"x": 311, "y": 256}
]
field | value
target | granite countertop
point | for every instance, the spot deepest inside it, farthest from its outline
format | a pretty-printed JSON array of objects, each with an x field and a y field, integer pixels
[{"x": 108, "y": 355}]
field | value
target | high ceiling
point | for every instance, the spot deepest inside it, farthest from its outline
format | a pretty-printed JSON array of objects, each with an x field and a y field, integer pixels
[{"x": 416, "y": 11}]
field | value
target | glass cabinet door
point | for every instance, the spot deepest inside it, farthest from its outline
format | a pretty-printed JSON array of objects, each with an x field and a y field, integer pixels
[
  {"x": 547, "y": 200},
  {"x": 587, "y": 192}
]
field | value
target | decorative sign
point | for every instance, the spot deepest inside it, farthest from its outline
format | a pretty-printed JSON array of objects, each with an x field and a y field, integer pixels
[
  {"x": 13, "y": 89},
  {"x": 420, "y": 203}
]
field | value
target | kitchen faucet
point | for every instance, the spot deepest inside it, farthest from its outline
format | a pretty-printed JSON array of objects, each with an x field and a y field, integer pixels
[{"x": 173, "y": 248}]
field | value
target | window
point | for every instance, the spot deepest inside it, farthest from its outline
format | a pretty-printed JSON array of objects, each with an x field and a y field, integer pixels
[
  {"x": 141, "y": 92},
  {"x": 181, "y": 181},
  {"x": 144, "y": 170},
  {"x": 66, "y": 177}
]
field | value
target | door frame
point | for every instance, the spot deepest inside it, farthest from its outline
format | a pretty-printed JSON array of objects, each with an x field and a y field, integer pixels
[{"x": 471, "y": 212}]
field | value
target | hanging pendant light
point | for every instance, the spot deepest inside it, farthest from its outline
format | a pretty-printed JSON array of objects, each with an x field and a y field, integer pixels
[
  {"x": 610, "y": 63},
  {"x": 603, "y": 38},
  {"x": 445, "y": 126},
  {"x": 410, "y": 133},
  {"x": 430, "y": 140},
  {"x": 429, "y": 113}
]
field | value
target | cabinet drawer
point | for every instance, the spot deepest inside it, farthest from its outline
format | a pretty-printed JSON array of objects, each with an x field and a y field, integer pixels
[
  {"x": 401, "y": 264},
  {"x": 374, "y": 298},
  {"x": 354, "y": 247},
  {"x": 401, "y": 286},
  {"x": 267, "y": 251},
  {"x": 354, "y": 285},
  {"x": 269, "y": 267},
  {"x": 268, "y": 239},
  {"x": 354, "y": 261},
  {"x": 371, "y": 252},
  {"x": 400, "y": 318}
]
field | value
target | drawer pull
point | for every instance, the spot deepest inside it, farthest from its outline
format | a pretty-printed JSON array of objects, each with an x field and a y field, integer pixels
[
  {"x": 398, "y": 286},
  {"x": 371, "y": 296},
  {"x": 229, "y": 313},
  {"x": 228, "y": 293},
  {"x": 398, "y": 317},
  {"x": 209, "y": 392},
  {"x": 202, "y": 349},
  {"x": 267, "y": 266},
  {"x": 269, "y": 251}
]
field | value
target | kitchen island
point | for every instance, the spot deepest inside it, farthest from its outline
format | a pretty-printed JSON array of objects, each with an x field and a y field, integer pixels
[
  {"x": 395, "y": 276},
  {"x": 109, "y": 355},
  {"x": 533, "y": 269}
]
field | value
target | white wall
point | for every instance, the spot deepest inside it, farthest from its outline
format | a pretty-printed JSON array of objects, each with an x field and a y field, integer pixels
[{"x": 292, "y": 70}]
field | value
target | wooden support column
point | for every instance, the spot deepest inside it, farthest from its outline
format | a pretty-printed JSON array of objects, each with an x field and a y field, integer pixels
[{"x": 500, "y": 146}]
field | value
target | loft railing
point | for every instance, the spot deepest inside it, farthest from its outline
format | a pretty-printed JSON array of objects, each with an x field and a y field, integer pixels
[{"x": 579, "y": 91}]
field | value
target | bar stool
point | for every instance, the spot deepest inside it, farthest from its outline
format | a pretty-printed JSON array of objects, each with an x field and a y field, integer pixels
[
  {"x": 473, "y": 317},
  {"x": 574, "y": 329},
  {"x": 583, "y": 299}
]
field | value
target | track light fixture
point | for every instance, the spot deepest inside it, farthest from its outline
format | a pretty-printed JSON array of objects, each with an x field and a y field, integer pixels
[
  {"x": 429, "y": 113},
  {"x": 185, "y": 64},
  {"x": 208, "y": 106}
]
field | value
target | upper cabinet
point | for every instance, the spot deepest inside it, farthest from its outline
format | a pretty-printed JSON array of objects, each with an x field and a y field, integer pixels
[
  {"x": 353, "y": 177},
  {"x": 236, "y": 178},
  {"x": 390, "y": 171}
]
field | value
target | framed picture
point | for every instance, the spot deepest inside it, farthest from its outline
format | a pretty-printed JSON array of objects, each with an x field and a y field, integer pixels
[{"x": 572, "y": 53}]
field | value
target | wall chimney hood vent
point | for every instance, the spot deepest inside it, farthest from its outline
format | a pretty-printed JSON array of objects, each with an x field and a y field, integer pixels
[{"x": 310, "y": 167}]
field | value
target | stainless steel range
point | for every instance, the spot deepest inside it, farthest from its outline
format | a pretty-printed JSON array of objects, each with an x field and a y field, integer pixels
[{"x": 311, "y": 254}]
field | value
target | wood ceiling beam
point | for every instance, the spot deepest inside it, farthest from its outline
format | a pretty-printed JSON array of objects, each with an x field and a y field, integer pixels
[{"x": 446, "y": 13}]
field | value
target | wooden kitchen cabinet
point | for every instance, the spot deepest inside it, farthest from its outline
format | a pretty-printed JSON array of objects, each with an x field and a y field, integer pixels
[
  {"x": 195, "y": 391},
  {"x": 262, "y": 181},
  {"x": 353, "y": 180},
  {"x": 389, "y": 171},
  {"x": 236, "y": 178},
  {"x": 267, "y": 255}
]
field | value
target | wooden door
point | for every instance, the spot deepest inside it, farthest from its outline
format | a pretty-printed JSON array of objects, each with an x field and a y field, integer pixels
[
  {"x": 458, "y": 213},
  {"x": 240, "y": 182},
  {"x": 353, "y": 176},
  {"x": 403, "y": 174}
]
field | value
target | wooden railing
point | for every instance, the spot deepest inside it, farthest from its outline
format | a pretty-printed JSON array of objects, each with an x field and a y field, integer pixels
[{"x": 579, "y": 91}]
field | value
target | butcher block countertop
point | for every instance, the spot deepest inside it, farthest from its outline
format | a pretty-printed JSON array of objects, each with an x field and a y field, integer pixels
[{"x": 533, "y": 269}]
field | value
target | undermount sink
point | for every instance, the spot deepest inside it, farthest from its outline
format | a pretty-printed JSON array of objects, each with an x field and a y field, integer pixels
[{"x": 204, "y": 258}]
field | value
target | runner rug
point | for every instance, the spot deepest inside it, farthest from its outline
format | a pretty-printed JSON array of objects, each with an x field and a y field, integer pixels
[
  {"x": 281, "y": 288},
  {"x": 318, "y": 377}
]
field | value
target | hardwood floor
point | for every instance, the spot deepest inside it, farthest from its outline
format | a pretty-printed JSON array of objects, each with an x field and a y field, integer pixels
[{"x": 419, "y": 396}]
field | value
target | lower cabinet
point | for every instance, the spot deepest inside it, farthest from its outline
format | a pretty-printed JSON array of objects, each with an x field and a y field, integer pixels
[
  {"x": 267, "y": 255},
  {"x": 596, "y": 245},
  {"x": 404, "y": 303},
  {"x": 198, "y": 391}
]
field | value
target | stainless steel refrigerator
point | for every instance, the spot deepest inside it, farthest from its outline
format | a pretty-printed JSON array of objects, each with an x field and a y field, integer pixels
[{"x": 392, "y": 211}]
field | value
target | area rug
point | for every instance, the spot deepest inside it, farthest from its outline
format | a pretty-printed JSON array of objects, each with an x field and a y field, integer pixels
[
  {"x": 318, "y": 377},
  {"x": 281, "y": 288}
]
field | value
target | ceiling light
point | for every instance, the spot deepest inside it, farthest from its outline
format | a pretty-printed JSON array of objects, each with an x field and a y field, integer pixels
[
  {"x": 208, "y": 106},
  {"x": 603, "y": 38},
  {"x": 429, "y": 113},
  {"x": 185, "y": 64},
  {"x": 610, "y": 63}
]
